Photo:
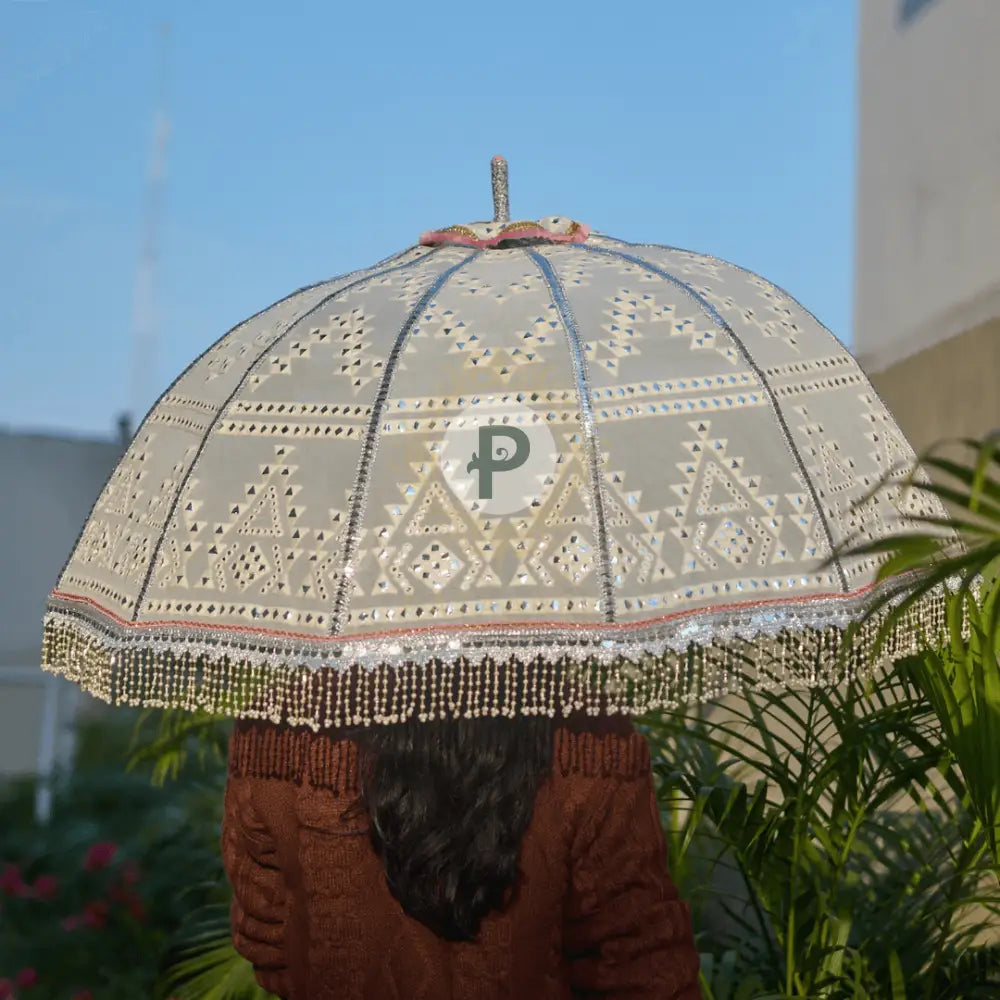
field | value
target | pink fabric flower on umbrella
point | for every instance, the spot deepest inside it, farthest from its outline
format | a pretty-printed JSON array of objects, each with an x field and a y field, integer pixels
[{"x": 100, "y": 855}]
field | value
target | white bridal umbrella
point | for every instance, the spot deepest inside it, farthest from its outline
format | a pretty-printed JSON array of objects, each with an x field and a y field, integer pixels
[{"x": 516, "y": 467}]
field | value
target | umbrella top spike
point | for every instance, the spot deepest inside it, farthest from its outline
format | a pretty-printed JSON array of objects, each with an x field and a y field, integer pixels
[
  {"x": 501, "y": 200},
  {"x": 500, "y": 233}
]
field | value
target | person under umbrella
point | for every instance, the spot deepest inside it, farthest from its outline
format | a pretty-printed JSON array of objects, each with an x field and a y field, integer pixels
[{"x": 458, "y": 858}]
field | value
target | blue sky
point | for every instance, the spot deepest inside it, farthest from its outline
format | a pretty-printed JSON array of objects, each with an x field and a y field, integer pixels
[{"x": 311, "y": 139}]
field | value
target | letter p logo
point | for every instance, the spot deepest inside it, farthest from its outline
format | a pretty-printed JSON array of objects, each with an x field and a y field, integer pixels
[
  {"x": 487, "y": 460},
  {"x": 515, "y": 462}
]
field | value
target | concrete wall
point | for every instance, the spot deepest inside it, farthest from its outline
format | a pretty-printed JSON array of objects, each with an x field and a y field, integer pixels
[
  {"x": 949, "y": 390},
  {"x": 928, "y": 175},
  {"x": 48, "y": 485}
]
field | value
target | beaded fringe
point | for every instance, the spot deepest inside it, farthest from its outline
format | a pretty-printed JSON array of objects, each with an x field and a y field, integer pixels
[
  {"x": 325, "y": 761},
  {"x": 108, "y": 663}
]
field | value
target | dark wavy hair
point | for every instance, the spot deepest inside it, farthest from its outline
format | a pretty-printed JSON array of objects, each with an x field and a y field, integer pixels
[{"x": 449, "y": 802}]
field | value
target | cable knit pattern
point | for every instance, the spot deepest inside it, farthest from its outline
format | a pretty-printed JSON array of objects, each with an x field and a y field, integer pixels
[
  {"x": 594, "y": 913},
  {"x": 259, "y": 910}
]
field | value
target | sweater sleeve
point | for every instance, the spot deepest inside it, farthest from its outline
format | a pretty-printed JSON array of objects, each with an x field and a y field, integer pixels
[
  {"x": 258, "y": 913},
  {"x": 626, "y": 932}
]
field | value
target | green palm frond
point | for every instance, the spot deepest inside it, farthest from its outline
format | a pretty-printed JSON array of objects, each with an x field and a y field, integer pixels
[
  {"x": 725, "y": 977},
  {"x": 204, "y": 965},
  {"x": 832, "y": 871},
  {"x": 973, "y": 974},
  {"x": 178, "y": 732},
  {"x": 961, "y": 681},
  {"x": 965, "y": 544}
]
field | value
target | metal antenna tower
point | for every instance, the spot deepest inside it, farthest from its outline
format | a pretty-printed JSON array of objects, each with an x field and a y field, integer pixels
[{"x": 144, "y": 314}]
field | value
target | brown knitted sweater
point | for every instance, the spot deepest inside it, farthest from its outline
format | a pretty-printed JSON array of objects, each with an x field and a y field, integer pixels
[{"x": 595, "y": 913}]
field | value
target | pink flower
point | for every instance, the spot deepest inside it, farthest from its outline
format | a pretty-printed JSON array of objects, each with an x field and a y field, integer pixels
[
  {"x": 6, "y": 989},
  {"x": 12, "y": 883},
  {"x": 95, "y": 914},
  {"x": 127, "y": 897},
  {"x": 27, "y": 977},
  {"x": 46, "y": 887},
  {"x": 100, "y": 855},
  {"x": 71, "y": 923}
]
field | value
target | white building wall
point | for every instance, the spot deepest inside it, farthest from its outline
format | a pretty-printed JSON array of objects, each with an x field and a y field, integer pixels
[
  {"x": 928, "y": 199},
  {"x": 48, "y": 485}
]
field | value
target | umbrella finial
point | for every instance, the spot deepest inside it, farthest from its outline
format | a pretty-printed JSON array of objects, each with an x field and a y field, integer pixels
[{"x": 501, "y": 208}]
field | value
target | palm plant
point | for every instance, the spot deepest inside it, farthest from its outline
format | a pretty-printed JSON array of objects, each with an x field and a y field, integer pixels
[
  {"x": 961, "y": 680},
  {"x": 846, "y": 896},
  {"x": 200, "y": 961},
  {"x": 841, "y": 885},
  {"x": 203, "y": 963}
]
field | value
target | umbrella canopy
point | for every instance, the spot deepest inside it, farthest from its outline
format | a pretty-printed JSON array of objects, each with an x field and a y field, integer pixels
[{"x": 518, "y": 467}]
